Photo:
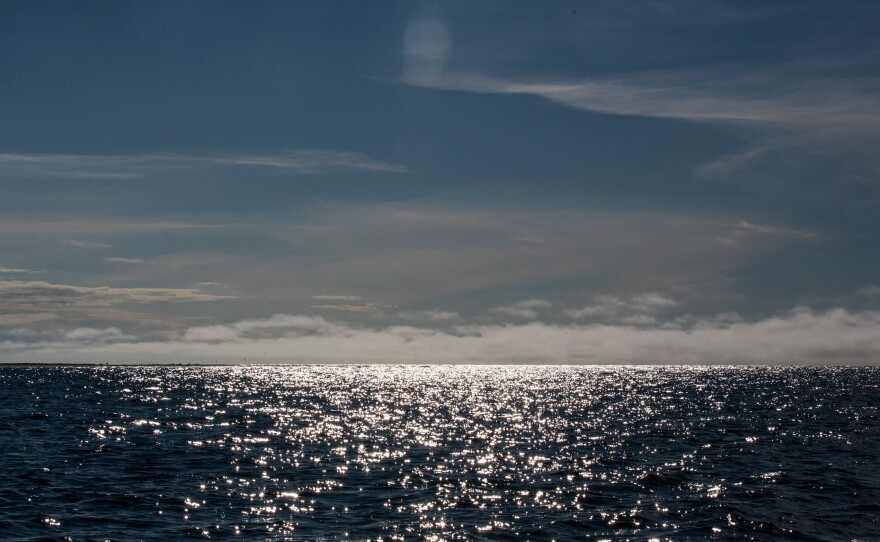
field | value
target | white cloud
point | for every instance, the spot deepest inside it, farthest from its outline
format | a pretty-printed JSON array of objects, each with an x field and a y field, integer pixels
[
  {"x": 140, "y": 165},
  {"x": 799, "y": 336}
]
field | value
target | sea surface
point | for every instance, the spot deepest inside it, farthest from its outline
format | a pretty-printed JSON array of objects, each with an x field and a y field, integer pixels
[{"x": 439, "y": 453}]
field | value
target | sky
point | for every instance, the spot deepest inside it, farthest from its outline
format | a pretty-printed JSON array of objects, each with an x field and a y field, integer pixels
[{"x": 454, "y": 182}]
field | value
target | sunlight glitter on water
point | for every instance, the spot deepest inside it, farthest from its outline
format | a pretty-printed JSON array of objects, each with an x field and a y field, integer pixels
[{"x": 444, "y": 452}]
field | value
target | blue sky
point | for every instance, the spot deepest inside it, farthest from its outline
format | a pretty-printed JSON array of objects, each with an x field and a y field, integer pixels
[{"x": 479, "y": 182}]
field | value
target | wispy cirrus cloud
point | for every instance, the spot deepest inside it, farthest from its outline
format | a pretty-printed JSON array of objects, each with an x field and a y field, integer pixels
[
  {"x": 309, "y": 161},
  {"x": 796, "y": 124},
  {"x": 85, "y": 244},
  {"x": 799, "y": 115},
  {"x": 63, "y": 228},
  {"x": 744, "y": 228},
  {"x": 711, "y": 94},
  {"x": 496, "y": 48},
  {"x": 74, "y": 166}
]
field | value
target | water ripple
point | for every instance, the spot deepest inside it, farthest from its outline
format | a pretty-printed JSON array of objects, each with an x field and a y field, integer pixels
[{"x": 440, "y": 453}]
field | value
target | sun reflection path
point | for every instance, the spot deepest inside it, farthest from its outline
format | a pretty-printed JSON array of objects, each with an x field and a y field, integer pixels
[{"x": 449, "y": 452}]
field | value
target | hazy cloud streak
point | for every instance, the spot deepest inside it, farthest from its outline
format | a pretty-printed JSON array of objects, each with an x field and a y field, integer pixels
[
  {"x": 123, "y": 260},
  {"x": 17, "y": 295},
  {"x": 19, "y": 165}
]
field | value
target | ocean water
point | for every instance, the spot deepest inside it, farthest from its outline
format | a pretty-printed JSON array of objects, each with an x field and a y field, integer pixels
[{"x": 439, "y": 453}]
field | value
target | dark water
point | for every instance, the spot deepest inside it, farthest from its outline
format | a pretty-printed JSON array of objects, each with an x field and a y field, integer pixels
[{"x": 439, "y": 453}]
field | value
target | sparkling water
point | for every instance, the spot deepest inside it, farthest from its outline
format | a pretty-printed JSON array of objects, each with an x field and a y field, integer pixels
[{"x": 439, "y": 453}]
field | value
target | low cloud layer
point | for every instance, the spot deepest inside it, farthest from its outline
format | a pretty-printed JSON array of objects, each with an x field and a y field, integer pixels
[
  {"x": 798, "y": 336},
  {"x": 373, "y": 259}
]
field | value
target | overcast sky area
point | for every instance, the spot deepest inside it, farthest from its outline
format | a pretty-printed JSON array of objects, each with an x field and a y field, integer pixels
[{"x": 523, "y": 182}]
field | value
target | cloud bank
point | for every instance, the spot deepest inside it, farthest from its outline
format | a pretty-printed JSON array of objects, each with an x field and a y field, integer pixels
[{"x": 801, "y": 335}]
